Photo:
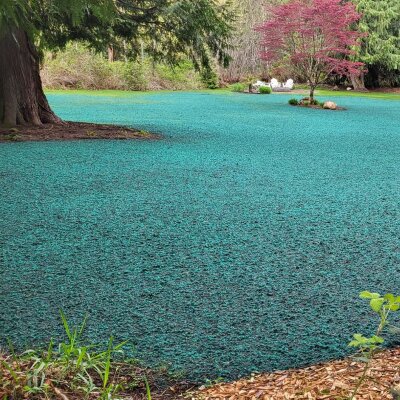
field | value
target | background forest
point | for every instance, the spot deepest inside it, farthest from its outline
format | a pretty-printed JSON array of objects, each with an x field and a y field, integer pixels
[{"x": 129, "y": 66}]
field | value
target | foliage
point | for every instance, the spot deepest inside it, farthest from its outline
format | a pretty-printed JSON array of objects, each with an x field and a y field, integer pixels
[
  {"x": 265, "y": 90},
  {"x": 380, "y": 48},
  {"x": 165, "y": 29},
  {"x": 312, "y": 37},
  {"x": 13, "y": 13},
  {"x": 210, "y": 78},
  {"x": 293, "y": 102},
  {"x": 383, "y": 306},
  {"x": 238, "y": 87},
  {"x": 245, "y": 42},
  {"x": 78, "y": 67},
  {"x": 71, "y": 367}
]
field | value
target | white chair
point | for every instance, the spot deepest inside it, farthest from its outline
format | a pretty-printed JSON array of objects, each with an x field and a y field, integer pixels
[
  {"x": 274, "y": 83},
  {"x": 259, "y": 84},
  {"x": 289, "y": 84}
]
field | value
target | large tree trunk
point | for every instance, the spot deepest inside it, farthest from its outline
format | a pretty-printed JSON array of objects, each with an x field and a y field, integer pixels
[
  {"x": 358, "y": 82},
  {"x": 22, "y": 100}
]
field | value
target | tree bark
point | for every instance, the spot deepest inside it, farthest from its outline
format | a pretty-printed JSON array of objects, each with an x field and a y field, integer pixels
[
  {"x": 358, "y": 82},
  {"x": 22, "y": 100},
  {"x": 312, "y": 90},
  {"x": 111, "y": 54}
]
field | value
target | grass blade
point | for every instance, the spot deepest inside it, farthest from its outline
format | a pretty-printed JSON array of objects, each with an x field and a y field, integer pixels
[{"x": 148, "y": 391}]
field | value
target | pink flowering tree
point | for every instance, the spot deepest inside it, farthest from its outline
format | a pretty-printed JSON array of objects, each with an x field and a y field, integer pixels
[{"x": 314, "y": 37}]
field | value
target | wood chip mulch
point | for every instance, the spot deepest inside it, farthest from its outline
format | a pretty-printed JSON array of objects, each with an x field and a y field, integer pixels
[{"x": 333, "y": 380}]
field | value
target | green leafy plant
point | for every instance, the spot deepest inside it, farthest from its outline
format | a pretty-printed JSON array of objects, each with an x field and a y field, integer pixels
[
  {"x": 293, "y": 102},
  {"x": 265, "y": 90},
  {"x": 78, "y": 67},
  {"x": 209, "y": 78},
  {"x": 383, "y": 306},
  {"x": 72, "y": 366},
  {"x": 148, "y": 391},
  {"x": 212, "y": 382},
  {"x": 238, "y": 87}
]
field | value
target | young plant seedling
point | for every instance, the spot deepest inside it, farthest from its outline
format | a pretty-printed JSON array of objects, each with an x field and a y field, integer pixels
[{"x": 369, "y": 346}]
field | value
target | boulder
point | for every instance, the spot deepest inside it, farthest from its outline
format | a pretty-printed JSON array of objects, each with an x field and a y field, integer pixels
[{"x": 330, "y": 105}]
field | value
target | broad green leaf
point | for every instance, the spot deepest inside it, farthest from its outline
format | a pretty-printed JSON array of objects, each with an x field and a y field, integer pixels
[
  {"x": 376, "y": 339},
  {"x": 369, "y": 295},
  {"x": 389, "y": 297},
  {"x": 376, "y": 304},
  {"x": 354, "y": 343}
]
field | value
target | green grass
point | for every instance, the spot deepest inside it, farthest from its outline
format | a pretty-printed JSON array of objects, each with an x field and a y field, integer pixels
[
  {"x": 76, "y": 369},
  {"x": 350, "y": 93},
  {"x": 129, "y": 93}
]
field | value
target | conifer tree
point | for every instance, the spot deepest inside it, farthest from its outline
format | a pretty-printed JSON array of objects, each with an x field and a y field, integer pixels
[
  {"x": 380, "y": 48},
  {"x": 200, "y": 29}
]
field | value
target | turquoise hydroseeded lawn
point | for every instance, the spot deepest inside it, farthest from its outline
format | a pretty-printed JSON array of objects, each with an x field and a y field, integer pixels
[{"x": 237, "y": 243}]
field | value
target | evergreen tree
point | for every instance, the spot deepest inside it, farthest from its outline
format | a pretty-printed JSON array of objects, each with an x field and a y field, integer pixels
[
  {"x": 380, "y": 48},
  {"x": 200, "y": 29}
]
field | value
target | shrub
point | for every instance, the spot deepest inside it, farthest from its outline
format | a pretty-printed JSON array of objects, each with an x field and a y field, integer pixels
[
  {"x": 265, "y": 90},
  {"x": 132, "y": 74},
  {"x": 179, "y": 77},
  {"x": 238, "y": 87},
  {"x": 77, "y": 67},
  {"x": 314, "y": 102},
  {"x": 209, "y": 78},
  {"x": 293, "y": 102}
]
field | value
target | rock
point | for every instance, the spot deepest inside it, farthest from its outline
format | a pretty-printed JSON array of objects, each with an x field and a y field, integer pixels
[
  {"x": 336, "y": 87},
  {"x": 349, "y": 88},
  {"x": 330, "y": 105}
]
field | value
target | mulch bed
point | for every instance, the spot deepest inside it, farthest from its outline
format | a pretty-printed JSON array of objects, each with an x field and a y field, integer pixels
[
  {"x": 333, "y": 380},
  {"x": 72, "y": 131}
]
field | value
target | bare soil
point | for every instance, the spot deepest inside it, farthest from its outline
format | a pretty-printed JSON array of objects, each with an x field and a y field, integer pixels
[{"x": 72, "y": 131}]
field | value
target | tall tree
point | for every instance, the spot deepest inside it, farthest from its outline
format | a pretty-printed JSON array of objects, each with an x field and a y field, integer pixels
[
  {"x": 312, "y": 37},
  {"x": 380, "y": 48},
  {"x": 246, "y": 46},
  {"x": 200, "y": 29}
]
